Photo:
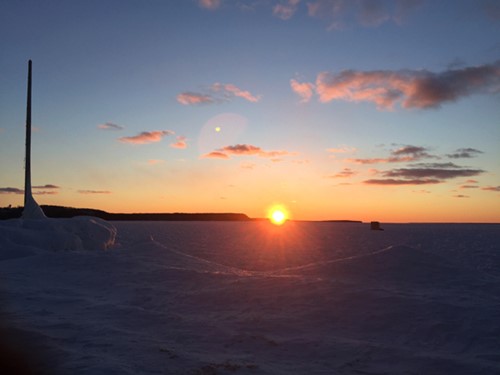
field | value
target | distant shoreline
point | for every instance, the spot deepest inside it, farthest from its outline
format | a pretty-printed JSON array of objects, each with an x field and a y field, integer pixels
[{"x": 68, "y": 212}]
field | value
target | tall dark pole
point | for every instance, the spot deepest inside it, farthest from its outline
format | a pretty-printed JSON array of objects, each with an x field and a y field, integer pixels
[{"x": 27, "y": 166}]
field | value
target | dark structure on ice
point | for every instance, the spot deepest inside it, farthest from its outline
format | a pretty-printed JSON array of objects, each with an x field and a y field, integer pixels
[{"x": 375, "y": 225}]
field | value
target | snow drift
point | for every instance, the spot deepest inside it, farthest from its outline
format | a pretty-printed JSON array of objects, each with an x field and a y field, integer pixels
[{"x": 26, "y": 236}]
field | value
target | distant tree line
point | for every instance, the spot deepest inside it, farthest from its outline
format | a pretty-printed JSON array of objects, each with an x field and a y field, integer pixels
[{"x": 68, "y": 212}]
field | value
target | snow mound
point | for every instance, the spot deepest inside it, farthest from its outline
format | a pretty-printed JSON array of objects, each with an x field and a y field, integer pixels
[{"x": 21, "y": 237}]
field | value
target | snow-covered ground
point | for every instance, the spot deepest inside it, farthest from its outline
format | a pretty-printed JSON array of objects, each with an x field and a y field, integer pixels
[{"x": 249, "y": 298}]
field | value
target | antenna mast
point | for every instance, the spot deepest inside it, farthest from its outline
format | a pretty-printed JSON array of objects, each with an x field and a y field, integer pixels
[
  {"x": 31, "y": 209},
  {"x": 27, "y": 160}
]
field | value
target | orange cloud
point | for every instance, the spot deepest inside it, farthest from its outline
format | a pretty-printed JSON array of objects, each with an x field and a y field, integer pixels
[
  {"x": 146, "y": 137},
  {"x": 181, "y": 142},
  {"x": 412, "y": 89},
  {"x": 304, "y": 90},
  {"x": 243, "y": 149},
  {"x": 215, "y": 155}
]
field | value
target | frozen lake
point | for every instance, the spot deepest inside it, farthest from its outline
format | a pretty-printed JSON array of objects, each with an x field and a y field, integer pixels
[{"x": 253, "y": 298}]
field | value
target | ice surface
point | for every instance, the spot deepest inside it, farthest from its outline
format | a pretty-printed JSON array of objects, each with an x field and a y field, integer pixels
[{"x": 251, "y": 298}]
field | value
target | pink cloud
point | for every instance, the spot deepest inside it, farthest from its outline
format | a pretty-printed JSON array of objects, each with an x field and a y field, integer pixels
[
  {"x": 286, "y": 10},
  {"x": 209, "y": 4},
  {"x": 180, "y": 143},
  {"x": 491, "y": 188},
  {"x": 191, "y": 98},
  {"x": 412, "y": 89},
  {"x": 146, "y": 137},
  {"x": 228, "y": 89},
  {"x": 304, "y": 90}
]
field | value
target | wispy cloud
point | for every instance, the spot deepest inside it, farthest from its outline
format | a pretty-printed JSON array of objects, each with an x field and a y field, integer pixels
[
  {"x": 341, "y": 150},
  {"x": 424, "y": 173},
  {"x": 244, "y": 150},
  {"x": 464, "y": 153},
  {"x": 155, "y": 161},
  {"x": 38, "y": 190},
  {"x": 110, "y": 126},
  {"x": 210, "y": 4},
  {"x": 11, "y": 190},
  {"x": 146, "y": 137},
  {"x": 304, "y": 90},
  {"x": 94, "y": 192},
  {"x": 47, "y": 186},
  {"x": 217, "y": 93},
  {"x": 180, "y": 143},
  {"x": 406, "y": 153},
  {"x": 368, "y": 13},
  {"x": 392, "y": 181},
  {"x": 229, "y": 90},
  {"x": 345, "y": 173},
  {"x": 410, "y": 88},
  {"x": 491, "y": 188},
  {"x": 192, "y": 98},
  {"x": 285, "y": 9},
  {"x": 469, "y": 187},
  {"x": 433, "y": 171}
]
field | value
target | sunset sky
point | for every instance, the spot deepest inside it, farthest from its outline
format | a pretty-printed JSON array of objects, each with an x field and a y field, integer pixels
[{"x": 335, "y": 109}]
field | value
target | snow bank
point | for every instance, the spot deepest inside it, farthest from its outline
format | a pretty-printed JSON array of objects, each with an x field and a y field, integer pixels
[{"x": 22, "y": 237}]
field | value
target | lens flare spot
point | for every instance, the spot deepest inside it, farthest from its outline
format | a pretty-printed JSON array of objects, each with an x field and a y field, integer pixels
[{"x": 217, "y": 129}]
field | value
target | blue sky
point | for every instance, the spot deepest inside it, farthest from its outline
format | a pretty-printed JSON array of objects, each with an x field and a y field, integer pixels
[{"x": 357, "y": 109}]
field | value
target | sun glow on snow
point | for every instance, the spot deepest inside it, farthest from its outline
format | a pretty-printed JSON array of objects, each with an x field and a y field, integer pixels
[{"x": 277, "y": 215}]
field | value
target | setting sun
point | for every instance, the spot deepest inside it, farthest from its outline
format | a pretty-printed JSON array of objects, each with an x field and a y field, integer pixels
[{"x": 277, "y": 215}]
